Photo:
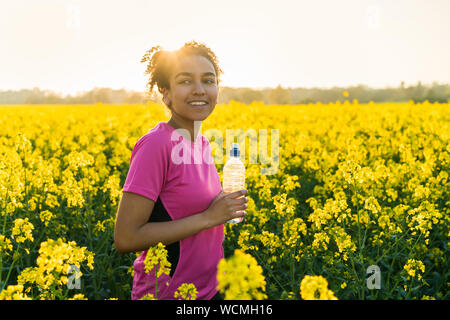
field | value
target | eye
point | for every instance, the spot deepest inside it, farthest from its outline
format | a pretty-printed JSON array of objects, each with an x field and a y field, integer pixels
[{"x": 209, "y": 81}]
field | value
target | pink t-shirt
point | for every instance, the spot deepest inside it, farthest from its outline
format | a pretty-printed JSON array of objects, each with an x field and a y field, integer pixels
[{"x": 181, "y": 177}]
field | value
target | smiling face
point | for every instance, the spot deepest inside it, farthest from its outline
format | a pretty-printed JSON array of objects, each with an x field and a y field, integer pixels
[{"x": 193, "y": 79}]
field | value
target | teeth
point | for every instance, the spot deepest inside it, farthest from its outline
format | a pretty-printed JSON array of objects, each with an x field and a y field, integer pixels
[{"x": 198, "y": 103}]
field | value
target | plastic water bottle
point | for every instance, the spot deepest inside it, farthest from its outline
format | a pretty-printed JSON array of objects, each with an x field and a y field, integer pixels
[{"x": 234, "y": 174}]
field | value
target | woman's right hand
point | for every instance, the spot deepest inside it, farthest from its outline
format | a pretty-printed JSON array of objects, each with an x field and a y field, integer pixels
[{"x": 226, "y": 207}]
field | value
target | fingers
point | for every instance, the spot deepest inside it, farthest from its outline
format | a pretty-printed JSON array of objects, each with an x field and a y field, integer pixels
[
  {"x": 241, "y": 205},
  {"x": 238, "y": 202},
  {"x": 238, "y": 193},
  {"x": 240, "y": 214},
  {"x": 219, "y": 195}
]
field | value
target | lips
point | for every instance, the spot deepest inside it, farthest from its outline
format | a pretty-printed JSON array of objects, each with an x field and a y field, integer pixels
[
  {"x": 198, "y": 105},
  {"x": 198, "y": 101}
]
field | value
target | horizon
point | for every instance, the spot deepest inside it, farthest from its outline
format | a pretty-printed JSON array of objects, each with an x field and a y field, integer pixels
[
  {"x": 264, "y": 88},
  {"x": 324, "y": 44}
]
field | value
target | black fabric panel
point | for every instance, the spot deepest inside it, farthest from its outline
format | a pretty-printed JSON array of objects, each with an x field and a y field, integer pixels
[
  {"x": 160, "y": 214},
  {"x": 217, "y": 296}
]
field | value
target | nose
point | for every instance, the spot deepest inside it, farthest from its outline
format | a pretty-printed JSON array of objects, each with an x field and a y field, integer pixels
[{"x": 198, "y": 89}]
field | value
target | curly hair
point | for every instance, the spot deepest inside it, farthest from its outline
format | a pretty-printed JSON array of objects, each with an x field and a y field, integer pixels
[{"x": 161, "y": 62}]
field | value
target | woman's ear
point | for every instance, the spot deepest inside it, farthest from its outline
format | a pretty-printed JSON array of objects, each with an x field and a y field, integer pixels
[{"x": 165, "y": 98}]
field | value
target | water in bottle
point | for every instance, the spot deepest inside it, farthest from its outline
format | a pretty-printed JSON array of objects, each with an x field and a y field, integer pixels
[{"x": 234, "y": 174}]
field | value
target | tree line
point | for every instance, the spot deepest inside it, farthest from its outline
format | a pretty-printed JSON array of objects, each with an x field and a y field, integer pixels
[{"x": 419, "y": 92}]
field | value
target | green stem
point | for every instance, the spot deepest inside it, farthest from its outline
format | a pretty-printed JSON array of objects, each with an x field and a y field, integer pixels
[
  {"x": 388, "y": 251},
  {"x": 293, "y": 282},
  {"x": 5, "y": 214},
  {"x": 4, "y": 228},
  {"x": 26, "y": 185},
  {"x": 355, "y": 193},
  {"x": 392, "y": 265},
  {"x": 102, "y": 245},
  {"x": 361, "y": 295},
  {"x": 409, "y": 289},
  {"x": 270, "y": 272},
  {"x": 156, "y": 282},
  {"x": 10, "y": 269},
  {"x": 1, "y": 267},
  {"x": 89, "y": 237},
  {"x": 394, "y": 287},
  {"x": 66, "y": 292},
  {"x": 412, "y": 247},
  {"x": 356, "y": 275}
]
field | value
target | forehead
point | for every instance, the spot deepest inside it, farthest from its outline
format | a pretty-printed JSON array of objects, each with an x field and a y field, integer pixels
[{"x": 194, "y": 65}]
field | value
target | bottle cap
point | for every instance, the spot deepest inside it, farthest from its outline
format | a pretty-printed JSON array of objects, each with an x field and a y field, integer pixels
[{"x": 235, "y": 152}]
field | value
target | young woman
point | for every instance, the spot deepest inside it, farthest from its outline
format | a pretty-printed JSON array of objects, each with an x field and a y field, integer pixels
[{"x": 178, "y": 203}]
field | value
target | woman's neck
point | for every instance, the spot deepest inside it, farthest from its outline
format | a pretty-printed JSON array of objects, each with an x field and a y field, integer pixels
[{"x": 193, "y": 127}]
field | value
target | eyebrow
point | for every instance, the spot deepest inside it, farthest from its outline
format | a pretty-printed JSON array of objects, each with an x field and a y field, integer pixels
[{"x": 190, "y": 74}]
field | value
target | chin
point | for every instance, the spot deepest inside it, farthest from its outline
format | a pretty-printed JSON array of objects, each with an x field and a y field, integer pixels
[{"x": 200, "y": 116}]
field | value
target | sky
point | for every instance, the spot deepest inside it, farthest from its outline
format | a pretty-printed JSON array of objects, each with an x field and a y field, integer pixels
[{"x": 70, "y": 46}]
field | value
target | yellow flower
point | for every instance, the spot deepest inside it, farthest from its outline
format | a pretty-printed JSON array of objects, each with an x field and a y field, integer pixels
[
  {"x": 51, "y": 201},
  {"x": 113, "y": 186},
  {"x": 413, "y": 266},
  {"x": 372, "y": 204},
  {"x": 244, "y": 239},
  {"x": 292, "y": 230},
  {"x": 22, "y": 144},
  {"x": 131, "y": 271},
  {"x": 342, "y": 239},
  {"x": 99, "y": 227},
  {"x": 421, "y": 192},
  {"x": 187, "y": 291},
  {"x": 56, "y": 259},
  {"x": 5, "y": 245},
  {"x": 13, "y": 293},
  {"x": 32, "y": 203},
  {"x": 240, "y": 277},
  {"x": 291, "y": 183},
  {"x": 270, "y": 240},
  {"x": 157, "y": 257},
  {"x": 321, "y": 239},
  {"x": 22, "y": 230},
  {"x": 315, "y": 288},
  {"x": 148, "y": 297},
  {"x": 284, "y": 206},
  {"x": 45, "y": 217},
  {"x": 372, "y": 174},
  {"x": 78, "y": 296}
]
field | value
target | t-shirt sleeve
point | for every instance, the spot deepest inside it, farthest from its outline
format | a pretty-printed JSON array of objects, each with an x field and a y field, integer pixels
[{"x": 148, "y": 167}]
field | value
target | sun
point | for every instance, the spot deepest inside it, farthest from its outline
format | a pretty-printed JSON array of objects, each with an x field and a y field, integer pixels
[{"x": 172, "y": 45}]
